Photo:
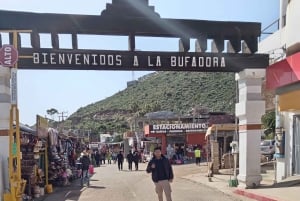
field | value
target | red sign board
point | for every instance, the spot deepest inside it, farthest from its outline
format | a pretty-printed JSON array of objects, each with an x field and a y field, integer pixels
[{"x": 8, "y": 56}]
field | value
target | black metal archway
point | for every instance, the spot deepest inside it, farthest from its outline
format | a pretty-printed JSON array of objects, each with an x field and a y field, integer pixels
[{"x": 136, "y": 18}]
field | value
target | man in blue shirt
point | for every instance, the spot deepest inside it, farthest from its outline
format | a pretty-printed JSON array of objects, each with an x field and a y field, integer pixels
[{"x": 162, "y": 174}]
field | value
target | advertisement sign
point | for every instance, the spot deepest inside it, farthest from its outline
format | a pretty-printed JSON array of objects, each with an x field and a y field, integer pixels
[{"x": 42, "y": 127}]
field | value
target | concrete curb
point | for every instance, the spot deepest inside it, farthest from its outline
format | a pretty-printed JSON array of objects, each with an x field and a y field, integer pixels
[
  {"x": 218, "y": 184},
  {"x": 285, "y": 190},
  {"x": 253, "y": 195}
]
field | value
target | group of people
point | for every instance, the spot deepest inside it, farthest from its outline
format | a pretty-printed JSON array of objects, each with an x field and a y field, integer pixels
[
  {"x": 130, "y": 157},
  {"x": 133, "y": 158},
  {"x": 101, "y": 156},
  {"x": 159, "y": 167}
]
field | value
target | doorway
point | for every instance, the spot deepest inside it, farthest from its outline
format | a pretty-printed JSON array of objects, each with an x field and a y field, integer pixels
[{"x": 296, "y": 145}]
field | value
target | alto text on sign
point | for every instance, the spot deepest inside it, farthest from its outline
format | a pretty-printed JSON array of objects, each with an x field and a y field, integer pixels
[{"x": 8, "y": 56}]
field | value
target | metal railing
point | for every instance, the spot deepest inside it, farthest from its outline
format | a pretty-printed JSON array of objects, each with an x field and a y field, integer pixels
[{"x": 270, "y": 29}]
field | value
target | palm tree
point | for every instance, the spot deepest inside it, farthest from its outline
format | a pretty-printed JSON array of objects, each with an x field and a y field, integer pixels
[{"x": 269, "y": 123}]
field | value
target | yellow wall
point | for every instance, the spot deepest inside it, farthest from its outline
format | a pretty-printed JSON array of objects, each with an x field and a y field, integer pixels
[{"x": 289, "y": 101}]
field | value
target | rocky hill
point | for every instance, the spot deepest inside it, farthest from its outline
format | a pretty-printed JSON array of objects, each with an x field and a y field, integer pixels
[{"x": 173, "y": 91}]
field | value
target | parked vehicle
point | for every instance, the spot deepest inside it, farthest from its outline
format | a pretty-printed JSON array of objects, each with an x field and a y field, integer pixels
[{"x": 267, "y": 147}]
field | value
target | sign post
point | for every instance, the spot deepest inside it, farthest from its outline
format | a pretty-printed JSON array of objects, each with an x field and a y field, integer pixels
[{"x": 9, "y": 58}]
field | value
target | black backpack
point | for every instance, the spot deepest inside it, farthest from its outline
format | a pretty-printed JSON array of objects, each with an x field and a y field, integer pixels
[{"x": 85, "y": 162}]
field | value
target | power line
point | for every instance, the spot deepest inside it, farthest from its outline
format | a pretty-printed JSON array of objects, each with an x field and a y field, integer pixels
[{"x": 61, "y": 116}]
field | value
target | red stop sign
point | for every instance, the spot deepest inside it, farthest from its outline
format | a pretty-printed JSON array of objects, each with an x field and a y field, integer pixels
[{"x": 8, "y": 55}]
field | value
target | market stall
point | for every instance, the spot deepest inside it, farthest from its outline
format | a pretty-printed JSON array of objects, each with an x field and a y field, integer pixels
[{"x": 31, "y": 148}]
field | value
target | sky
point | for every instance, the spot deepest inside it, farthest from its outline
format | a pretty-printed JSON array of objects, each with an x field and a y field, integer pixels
[{"x": 67, "y": 91}]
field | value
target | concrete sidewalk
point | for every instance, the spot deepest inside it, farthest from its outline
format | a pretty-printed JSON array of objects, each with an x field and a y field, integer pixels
[
  {"x": 287, "y": 190},
  {"x": 61, "y": 193}
]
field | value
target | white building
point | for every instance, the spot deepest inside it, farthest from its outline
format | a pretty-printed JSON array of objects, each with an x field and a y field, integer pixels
[
  {"x": 106, "y": 138},
  {"x": 283, "y": 76}
]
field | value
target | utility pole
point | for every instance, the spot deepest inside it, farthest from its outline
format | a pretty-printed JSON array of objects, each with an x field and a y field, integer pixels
[
  {"x": 89, "y": 135},
  {"x": 61, "y": 116}
]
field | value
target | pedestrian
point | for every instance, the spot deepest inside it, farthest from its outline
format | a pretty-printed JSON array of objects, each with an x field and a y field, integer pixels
[
  {"x": 197, "y": 156},
  {"x": 109, "y": 157},
  {"x": 129, "y": 158},
  {"x": 114, "y": 157},
  {"x": 120, "y": 159},
  {"x": 162, "y": 174},
  {"x": 92, "y": 157},
  {"x": 97, "y": 158},
  {"x": 136, "y": 158},
  {"x": 65, "y": 176},
  {"x": 85, "y": 164},
  {"x": 103, "y": 155}
]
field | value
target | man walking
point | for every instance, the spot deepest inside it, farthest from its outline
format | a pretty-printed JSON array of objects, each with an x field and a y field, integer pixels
[
  {"x": 97, "y": 158},
  {"x": 197, "y": 156},
  {"x": 129, "y": 160},
  {"x": 120, "y": 159},
  {"x": 162, "y": 174},
  {"x": 136, "y": 159}
]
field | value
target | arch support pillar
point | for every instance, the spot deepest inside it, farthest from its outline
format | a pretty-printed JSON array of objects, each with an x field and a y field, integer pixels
[
  {"x": 5, "y": 104},
  {"x": 249, "y": 109}
]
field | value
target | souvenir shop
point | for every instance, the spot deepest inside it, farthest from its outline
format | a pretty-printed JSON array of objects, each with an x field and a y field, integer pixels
[
  {"x": 31, "y": 149},
  {"x": 47, "y": 160},
  {"x": 61, "y": 158}
]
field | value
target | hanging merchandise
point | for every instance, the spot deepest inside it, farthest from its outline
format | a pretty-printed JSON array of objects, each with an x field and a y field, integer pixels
[
  {"x": 32, "y": 149},
  {"x": 62, "y": 159}
]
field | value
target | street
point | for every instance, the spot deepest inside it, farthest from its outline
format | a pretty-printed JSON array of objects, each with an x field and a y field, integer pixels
[{"x": 108, "y": 183}]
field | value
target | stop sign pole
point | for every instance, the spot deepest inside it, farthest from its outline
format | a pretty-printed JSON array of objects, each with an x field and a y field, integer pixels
[{"x": 9, "y": 58}]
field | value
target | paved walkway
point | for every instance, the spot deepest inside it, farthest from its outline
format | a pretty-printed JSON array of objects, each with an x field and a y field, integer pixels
[{"x": 287, "y": 190}]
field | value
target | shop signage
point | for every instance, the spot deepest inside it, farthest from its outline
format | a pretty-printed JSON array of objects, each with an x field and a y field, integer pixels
[
  {"x": 8, "y": 56},
  {"x": 42, "y": 127},
  {"x": 178, "y": 128},
  {"x": 93, "y": 146},
  {"x": 127, "y": 60}
]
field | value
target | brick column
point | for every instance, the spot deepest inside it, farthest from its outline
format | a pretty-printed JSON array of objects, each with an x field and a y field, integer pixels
[
  {"x": 4, "y": 126},
  {"x": 249, "y": 110}
]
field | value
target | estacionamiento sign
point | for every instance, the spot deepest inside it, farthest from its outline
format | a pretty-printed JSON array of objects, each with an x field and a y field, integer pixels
[
  {"x": 137, "y": 60},
  {"x": 178, "y": 128}
]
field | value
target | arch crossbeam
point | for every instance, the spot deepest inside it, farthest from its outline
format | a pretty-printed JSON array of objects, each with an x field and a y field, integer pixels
[{"x": 133, "y": 18}]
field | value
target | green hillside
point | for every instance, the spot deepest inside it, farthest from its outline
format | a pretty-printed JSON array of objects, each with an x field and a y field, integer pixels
[{"x": 174, "y": 91}]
